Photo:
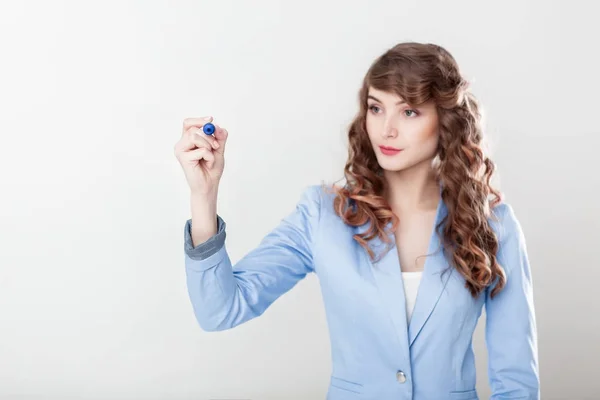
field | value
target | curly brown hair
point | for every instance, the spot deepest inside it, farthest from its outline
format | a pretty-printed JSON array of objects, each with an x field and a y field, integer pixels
[{"x": 417, "y": 73}]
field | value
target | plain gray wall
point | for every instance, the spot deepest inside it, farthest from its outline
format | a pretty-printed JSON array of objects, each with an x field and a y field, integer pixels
[{"x": 93, "y": 303}]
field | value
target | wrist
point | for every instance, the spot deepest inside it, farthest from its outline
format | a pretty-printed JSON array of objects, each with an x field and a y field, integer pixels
[{"x": 205, "y": 195}]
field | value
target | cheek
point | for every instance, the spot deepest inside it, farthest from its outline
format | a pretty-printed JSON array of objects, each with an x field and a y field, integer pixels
[
  {"x": 429, "y": 143},
  {"x": 423, "y": 133},
  {"x": 371, "y": 127},
  {"x": 422, "y": 143}
]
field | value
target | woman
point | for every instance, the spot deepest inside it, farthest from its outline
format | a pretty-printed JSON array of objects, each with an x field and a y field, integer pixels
[{"x": 408, "y": 251}]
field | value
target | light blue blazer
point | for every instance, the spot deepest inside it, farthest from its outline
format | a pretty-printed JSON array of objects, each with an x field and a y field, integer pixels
[{"x": 375, "y": 353}]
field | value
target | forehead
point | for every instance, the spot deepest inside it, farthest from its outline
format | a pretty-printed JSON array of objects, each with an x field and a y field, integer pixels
[
  {"x": 393, "y": 98},
  {"x": 384, "y": 96}
]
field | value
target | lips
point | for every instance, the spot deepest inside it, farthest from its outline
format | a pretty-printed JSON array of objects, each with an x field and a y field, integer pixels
[{"x": 389, "y": 151}]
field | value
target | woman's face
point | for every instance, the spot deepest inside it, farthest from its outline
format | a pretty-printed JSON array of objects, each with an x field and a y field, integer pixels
[{"x": 393, "y": 124}]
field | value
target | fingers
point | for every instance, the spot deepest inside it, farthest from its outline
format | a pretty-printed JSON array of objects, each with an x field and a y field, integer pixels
[
  {"x": 194, "y": 138},
  {"x": 194, "y": 122},
  {"x": 200, "y": 154},
  {"x": 198, "y": 136}
]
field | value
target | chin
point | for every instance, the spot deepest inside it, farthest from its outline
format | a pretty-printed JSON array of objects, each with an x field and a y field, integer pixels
[{"x": 392, "y": 167}]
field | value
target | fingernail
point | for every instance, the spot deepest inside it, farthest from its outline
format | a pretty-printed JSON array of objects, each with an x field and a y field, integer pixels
[{"x": 207, "y": 118}]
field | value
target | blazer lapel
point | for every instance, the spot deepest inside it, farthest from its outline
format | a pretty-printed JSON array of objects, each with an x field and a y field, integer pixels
[
  {"x": 386, "y": 273},
  {"x": 432, "y": 283},
  {"x": 389, "y": 281},
  {"x": 388, "y": 277}
]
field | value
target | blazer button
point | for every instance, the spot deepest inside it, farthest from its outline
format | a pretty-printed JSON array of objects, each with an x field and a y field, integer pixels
[{"x": 401, "y": 377}]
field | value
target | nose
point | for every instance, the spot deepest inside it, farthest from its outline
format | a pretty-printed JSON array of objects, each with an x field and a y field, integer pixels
[{"x": 389, "y": 130}]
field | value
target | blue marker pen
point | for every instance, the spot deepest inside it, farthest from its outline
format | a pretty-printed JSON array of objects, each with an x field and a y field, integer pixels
[{"x": 208, "y": 128}]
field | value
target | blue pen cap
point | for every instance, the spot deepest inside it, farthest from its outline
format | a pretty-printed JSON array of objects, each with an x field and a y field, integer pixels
[{"x": 208, "y": 128}]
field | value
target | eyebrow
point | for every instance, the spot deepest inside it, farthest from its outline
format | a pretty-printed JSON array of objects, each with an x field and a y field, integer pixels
[{"x": 376, "y": 99}]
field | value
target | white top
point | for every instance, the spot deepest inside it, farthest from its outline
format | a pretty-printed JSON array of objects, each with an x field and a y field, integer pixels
[{"x": 411, "y": 285}]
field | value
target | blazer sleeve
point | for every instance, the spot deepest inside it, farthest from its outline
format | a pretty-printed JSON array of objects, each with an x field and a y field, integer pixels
[
  {"x": 225, "y": 295},
  {"x": 511, "y": 333}
]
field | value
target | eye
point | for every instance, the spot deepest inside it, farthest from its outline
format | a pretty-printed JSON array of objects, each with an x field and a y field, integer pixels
[
  {"x": 414, "y": 113},
  {"x": 373, "y": 108}
]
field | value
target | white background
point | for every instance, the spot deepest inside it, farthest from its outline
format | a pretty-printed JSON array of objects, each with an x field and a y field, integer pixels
[{"x": 93, "y": 303}]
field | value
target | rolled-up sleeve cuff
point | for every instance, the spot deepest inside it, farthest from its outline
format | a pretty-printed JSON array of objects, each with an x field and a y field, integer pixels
[{"x": 209, "y": 247}]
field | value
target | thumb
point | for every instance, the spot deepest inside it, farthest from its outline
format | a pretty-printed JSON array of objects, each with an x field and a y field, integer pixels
[{"x": 221, "y": 135}]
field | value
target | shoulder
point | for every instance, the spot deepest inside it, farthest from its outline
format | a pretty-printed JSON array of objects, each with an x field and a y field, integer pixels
[
  {"x": 506, "y": 223},
  {"x": 324, "y": 194},
  {"x": 318, "y": 199},
  {"x": 321, "y": 193}
]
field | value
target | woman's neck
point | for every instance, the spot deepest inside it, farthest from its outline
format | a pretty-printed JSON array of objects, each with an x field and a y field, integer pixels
[{"x": 412, "y": 190}]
